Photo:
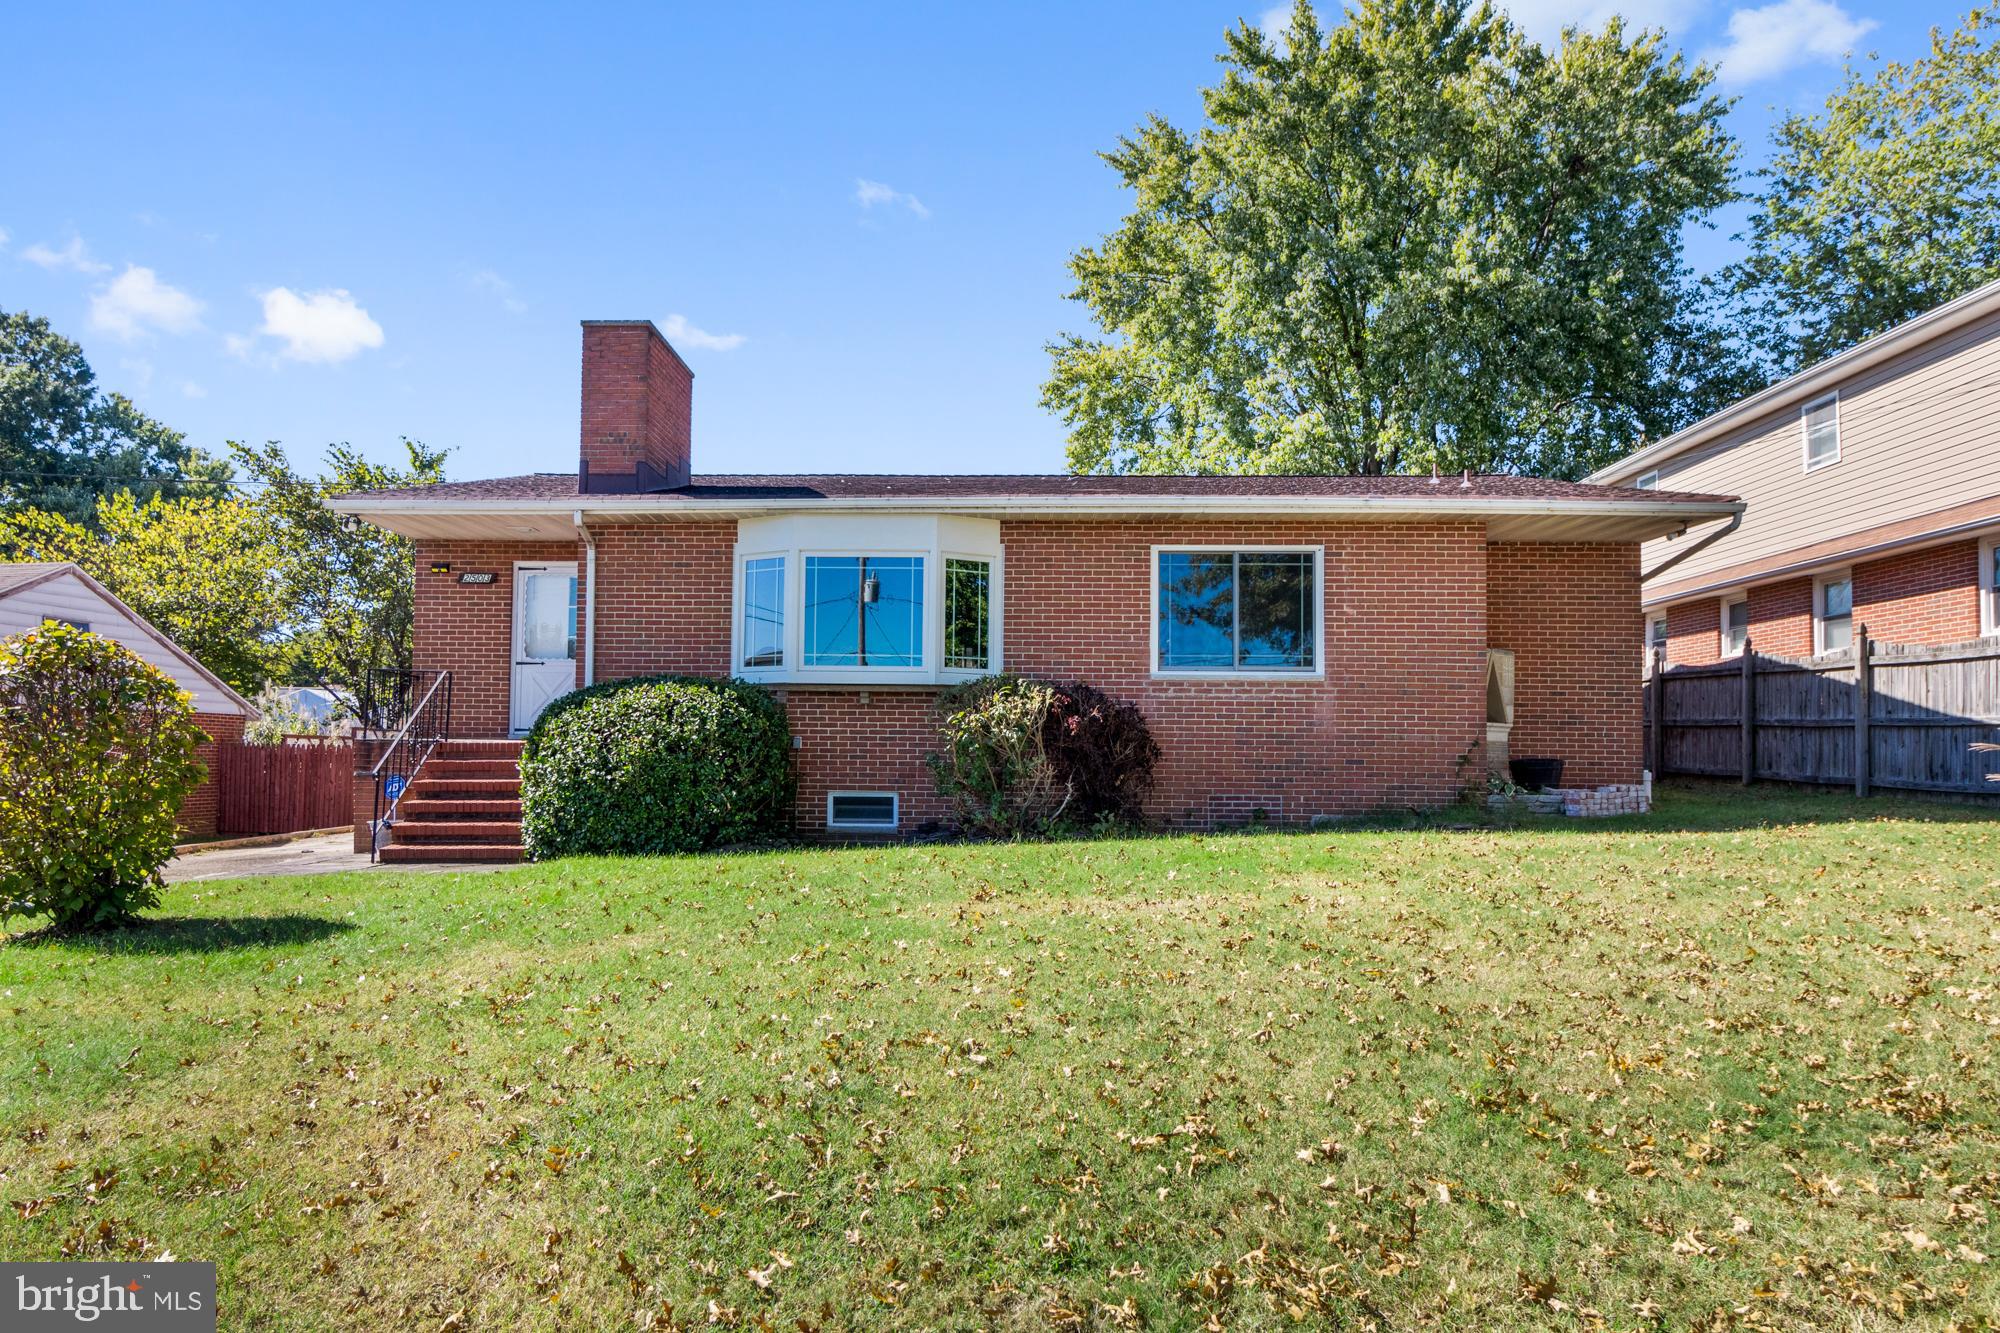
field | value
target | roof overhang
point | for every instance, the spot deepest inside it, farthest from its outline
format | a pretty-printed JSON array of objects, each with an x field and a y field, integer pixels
[
  {"x": 1810, "y": 382},
  {"x": 1609, "y": 520}
]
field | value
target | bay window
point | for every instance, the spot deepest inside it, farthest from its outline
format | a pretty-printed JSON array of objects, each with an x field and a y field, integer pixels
[
  {"x": 858, "y": 600},
  {"x": 1236, "y": 612}
]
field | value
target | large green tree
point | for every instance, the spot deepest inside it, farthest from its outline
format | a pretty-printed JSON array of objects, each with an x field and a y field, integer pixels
[
  {"x": 347, "y": 583},
  {"x": 64, "y": 443},
  {"x": 204, "y": 571},
  {"x": 1414, "y": 238},
  {"x": 268, "y": 585},
  {"x": 1880, "y": 208}
]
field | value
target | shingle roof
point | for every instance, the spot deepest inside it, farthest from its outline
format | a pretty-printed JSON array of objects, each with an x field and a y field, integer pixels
[
  {"x": 13, "y": 576},
  {"x": 549, "y": 487}
]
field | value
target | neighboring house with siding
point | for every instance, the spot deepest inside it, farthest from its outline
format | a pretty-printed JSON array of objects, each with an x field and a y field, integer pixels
[
  {"x": 1873, "y": 488},
  {"x": 33, "y": 595},
  {"x": 1300, "y": 646}
]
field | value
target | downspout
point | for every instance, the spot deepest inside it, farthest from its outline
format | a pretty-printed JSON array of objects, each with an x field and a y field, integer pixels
[
  {"x": 1735, "y": 522},
  {"x": 589, "y": 598}
]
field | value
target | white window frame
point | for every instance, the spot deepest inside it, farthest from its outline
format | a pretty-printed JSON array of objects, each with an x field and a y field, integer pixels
[
  {"x": 1655, "y": 618},
  {"x": 1989, "y": 587},
  {"x": 866, "y": 826},
  {"x": 1318, "y": 554},
  {"x": 1805, "y": 431},
  {"x": 932, "y": 538},
  {"x": 1647, "y": 481},
  {"x": 1741, "y": 599},
  {"x": 1819, "y": 607}
]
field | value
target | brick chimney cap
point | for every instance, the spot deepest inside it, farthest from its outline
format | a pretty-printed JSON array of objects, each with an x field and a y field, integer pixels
[{"x": 641, "y": 323}]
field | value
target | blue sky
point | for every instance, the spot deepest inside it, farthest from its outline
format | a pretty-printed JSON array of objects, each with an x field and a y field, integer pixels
[{"x": 313, "y": 224}]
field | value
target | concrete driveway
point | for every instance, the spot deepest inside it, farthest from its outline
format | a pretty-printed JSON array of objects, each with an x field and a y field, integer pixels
[{"x": 307, "y": 856}]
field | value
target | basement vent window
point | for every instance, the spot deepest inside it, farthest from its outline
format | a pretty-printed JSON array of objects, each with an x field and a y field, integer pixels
[{"x": 873, "y": 810}]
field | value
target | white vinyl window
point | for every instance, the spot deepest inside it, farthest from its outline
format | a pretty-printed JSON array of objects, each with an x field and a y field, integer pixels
[
  {"x": 854, "y": 600},
  {"x": 1833, "y": 613},
  {"x": 1656, "y": 631},
  {"x": 1820, "y": 421},
  {"x": 1989, "y": 586},
  {"x": 1648, "y": 481},
  {"x": 1735, "y": 625},
  {"x": 879, "y": 811},
  {"x": 1221, "y": 611}
]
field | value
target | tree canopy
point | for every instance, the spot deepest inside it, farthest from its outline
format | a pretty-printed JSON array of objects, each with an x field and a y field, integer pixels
[
  {"x": 1416, "y": 238},
  {"x": 64, "y": 443},
  {"x": 1885, "y": 205}
]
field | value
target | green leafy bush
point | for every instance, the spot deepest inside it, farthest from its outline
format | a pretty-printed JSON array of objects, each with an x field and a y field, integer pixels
[
  {"x": 97, "y": 752},
  {"x": 994, "y": 770},
  {"x": 655, "y": 764},
  {"x": 1023, "y": 756}
]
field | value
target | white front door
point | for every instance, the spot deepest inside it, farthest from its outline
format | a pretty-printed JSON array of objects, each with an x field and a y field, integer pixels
[{"x": 544, "y": 640}]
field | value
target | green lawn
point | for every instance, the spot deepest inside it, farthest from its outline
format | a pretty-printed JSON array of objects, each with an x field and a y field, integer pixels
[{"x": 1729, "y": 1065}]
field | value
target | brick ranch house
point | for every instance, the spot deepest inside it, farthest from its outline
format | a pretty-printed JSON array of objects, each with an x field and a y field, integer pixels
[
  {"x": 1873, "y": 486},
  {"x": 32, "y": 595},
  {"x": 1300, "y": 646}
]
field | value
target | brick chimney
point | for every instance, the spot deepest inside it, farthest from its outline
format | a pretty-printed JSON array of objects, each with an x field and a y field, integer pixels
[{"x": 638, "y": 407}]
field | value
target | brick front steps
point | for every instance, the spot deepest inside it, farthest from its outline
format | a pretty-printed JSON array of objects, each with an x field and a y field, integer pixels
[{"x": 464, "y": 804}]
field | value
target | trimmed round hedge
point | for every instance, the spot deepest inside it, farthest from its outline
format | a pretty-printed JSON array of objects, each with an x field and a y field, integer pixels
[{"x": 655, "y": 764}]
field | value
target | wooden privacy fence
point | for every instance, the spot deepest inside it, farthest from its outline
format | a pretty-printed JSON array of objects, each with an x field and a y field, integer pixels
[
  {"x": 1874, "y": 715},
  {"x": 284, "y": 788}
]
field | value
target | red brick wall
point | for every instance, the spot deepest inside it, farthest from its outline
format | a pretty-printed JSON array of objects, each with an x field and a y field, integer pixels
[
  {"x": 204, "y": 803},
  {"x": 663, "y": 598},
  {"x": 1569, "y": 612},
  {"x": 1928, "y": 596},
  {"x": 638, "y": 403},
  {"x": 469, "y": 630},
  {"x": 1781, "y": 618},
  {"x": 1694, "y": 632},
  {"x": 1399, "y": 718}
]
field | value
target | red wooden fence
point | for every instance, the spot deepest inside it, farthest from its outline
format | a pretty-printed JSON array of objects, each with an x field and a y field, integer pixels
[{"x": 284, "y": 788}]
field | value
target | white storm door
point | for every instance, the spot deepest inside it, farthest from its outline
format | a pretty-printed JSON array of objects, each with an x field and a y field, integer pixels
[{"x": 544, "y": 640}]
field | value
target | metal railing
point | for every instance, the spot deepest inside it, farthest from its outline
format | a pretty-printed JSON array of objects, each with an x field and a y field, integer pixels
[
  {"x": 427, "y": 724},
  {"x": 389, "y": 695}
]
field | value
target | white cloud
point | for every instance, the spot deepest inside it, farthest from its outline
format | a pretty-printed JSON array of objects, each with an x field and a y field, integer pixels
[
  {"x": 683, "y": 334},
  {"x": 489, "y": 283},
  {"x": 189, "y": 389},
  {"x": 3, "y": 238},
  {"x": 137, "y": 302},
  {"x": 323, "y": 326},
  {"x": 75, "y": 255},
  {"x": 869, "y": 193},
  {"x": 1779, "y": 37}
]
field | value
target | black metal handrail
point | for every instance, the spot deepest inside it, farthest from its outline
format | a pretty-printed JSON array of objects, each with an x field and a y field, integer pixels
[
  {"x": 427, "y": 724},
  {"x": 388, "y": 695}
]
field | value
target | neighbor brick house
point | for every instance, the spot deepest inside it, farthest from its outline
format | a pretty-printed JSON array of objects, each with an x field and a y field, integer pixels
[
  {"x": 35, "y": 594},
  {"x": 1300, "y": 646},
  {"x": 1873, "y": 486}
]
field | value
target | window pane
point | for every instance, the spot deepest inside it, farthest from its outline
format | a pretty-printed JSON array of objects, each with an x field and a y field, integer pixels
[
  {"x": 1274, "y": 615},
  {"x": 1656, "y": 632},
  {"x": 1838, "y": 598},
  {"x": 1197, "y": 610},
  {"x": 764, "y": 612},
  {"x": 1822, "y": 433},
  {"x": 548, "y": 616},
  {"x": 967, "y": 615},
  {"x": 1836, "y": 632},
  {"x": 864, "y": 611},
  {"x": 1735, "y": 626}
]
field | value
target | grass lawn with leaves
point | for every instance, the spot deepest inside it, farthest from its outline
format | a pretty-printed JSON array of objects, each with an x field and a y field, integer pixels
[{"x": 1732, "y": 1064}]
